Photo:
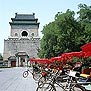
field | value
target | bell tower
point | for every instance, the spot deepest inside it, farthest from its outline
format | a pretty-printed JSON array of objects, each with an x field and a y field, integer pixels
[{"x": 24, "y": 40}]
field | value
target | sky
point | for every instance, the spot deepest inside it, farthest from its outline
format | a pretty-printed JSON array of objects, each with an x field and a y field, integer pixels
[{"x": 45, "y": 11}]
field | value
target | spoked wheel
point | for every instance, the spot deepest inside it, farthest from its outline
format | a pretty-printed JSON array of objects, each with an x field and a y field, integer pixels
[
  {"x": 46, "y": 87},
  {"x": 41, "y": 81},
  {"x": 36, "y": 76},
  {"x": 25, "y": 74}
]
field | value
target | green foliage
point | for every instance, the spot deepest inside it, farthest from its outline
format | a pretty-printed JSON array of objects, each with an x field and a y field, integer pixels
[
  {"x": 65, "y": 33},
  {"x": 85, "y": 21},
  {"x": 88, "y": 59},
  {"x": 75, "y": 59},
  {"x": 84, "y": 13}
]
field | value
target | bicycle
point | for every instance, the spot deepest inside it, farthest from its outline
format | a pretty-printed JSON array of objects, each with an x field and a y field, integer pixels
[
  {"x": 26, "y": 73},
  {"x": 70, "y": 84},
  {"x": 36, "y": 74},
  {"x": 46, "y": 76}
]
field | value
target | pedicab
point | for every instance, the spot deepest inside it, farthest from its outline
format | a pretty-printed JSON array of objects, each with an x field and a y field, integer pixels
[{"x": 36, "y": 68}]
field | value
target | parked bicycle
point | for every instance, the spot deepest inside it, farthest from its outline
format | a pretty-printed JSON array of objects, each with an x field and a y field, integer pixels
[
  {"x": 26, "y": 73},
  {"x": 35, "y": 73},
  {"x": 70, "y": 83}
]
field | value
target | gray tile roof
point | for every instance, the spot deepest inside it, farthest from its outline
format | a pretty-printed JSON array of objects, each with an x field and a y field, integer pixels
[
  {"x": 24, "y": 16},
  {"x": 24, "y": 19}
]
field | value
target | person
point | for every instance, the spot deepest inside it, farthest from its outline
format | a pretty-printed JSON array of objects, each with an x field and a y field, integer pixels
[
  {"x": 66, "y": 69},
  {"x": 35, "y": 68},
  {"x": 78, "y": 67}
]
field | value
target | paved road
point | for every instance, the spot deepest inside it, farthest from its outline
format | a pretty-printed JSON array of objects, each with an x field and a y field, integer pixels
[{"x": 11, "y": 80}]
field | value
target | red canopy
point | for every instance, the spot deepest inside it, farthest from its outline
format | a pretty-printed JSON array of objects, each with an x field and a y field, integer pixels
[
  {"x": 38, "y": 60},
  {"x": 68, "y": 56},
  {"x": 55, "y": 59},
  {"x": 58, "y": 59},
  {"x": 86, "y": 47},
  {"x": 87, "y": 54}
]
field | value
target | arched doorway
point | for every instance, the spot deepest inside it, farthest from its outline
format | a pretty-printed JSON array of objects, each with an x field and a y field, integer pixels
[{"x": 22, "y": 59}]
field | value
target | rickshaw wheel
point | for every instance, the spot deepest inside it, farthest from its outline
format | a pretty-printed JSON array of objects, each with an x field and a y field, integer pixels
[{"x": 25, "y": 74}]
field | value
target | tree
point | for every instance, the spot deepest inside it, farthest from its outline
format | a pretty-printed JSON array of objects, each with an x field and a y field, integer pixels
[
  {"x": 65, "y": 33},
  {"x": 69, "y": 31},
  {"x": 48, "y": 41},
  {"x": 85, "y": 21}
]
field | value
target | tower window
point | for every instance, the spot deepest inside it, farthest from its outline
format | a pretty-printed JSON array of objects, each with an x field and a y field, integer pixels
[
  {"x": 32, "y": 34},
  {"x": 24, "y": 33},
  {"x": 16, "y": 34}
]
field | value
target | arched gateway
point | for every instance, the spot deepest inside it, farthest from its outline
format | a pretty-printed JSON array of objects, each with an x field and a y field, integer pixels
[
  {"x": 24, "y": 40},
  {"x": 21, "y": 59}
]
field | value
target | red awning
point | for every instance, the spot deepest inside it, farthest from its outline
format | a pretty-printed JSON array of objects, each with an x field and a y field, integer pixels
[
  {"x": 58, "y": 59},
  {"x": 86, "y": 47},
  {"x": 87, "y": 54},
  {"x": 38, "y": 60},
  {"x": 69, "y": 56},
  {"x": 55, "y": 59}
]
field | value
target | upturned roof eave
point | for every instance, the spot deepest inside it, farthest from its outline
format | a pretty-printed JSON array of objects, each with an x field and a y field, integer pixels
[
  {"x": 23, "y": 19},
  {"x": 11, "y": 23}
]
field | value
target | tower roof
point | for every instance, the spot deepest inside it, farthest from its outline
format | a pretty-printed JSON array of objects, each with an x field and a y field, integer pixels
[
  {"x": 24, "y": 19},
  {"x": 24, "y": 16}
]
